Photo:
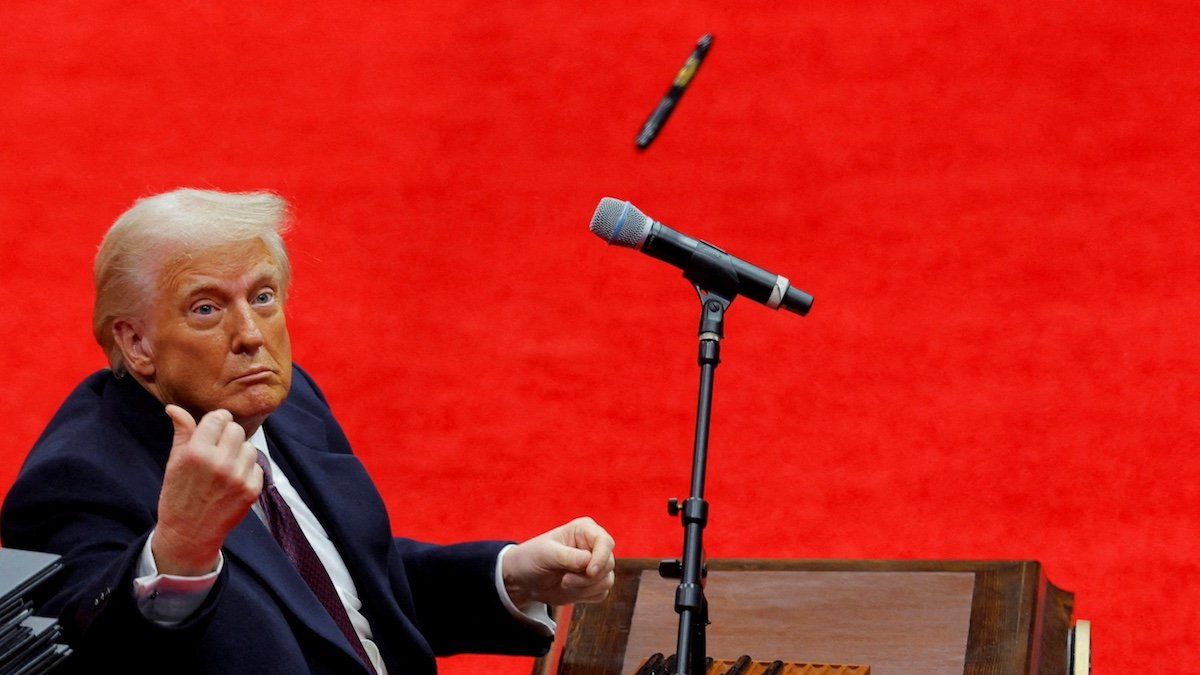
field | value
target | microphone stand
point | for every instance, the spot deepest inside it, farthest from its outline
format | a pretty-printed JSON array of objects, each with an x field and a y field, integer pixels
[{"x": 691, "y": 570}]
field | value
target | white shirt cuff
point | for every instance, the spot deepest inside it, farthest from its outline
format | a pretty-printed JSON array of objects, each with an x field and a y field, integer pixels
[
  {"x": 169, "y": 599},
  {"x": 534, "y": 613}
]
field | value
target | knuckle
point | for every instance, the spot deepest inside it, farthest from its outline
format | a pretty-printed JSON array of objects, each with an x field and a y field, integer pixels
[
  {"x": 250, "y": 491},
  {"x": 189, "y": 459},
  {"x": 226, "y": 481}
]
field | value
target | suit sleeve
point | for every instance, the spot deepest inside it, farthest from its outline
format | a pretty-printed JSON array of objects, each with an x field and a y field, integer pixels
[
  {"x": 84, "y": 514},
  {"x": 457, "y": 607}
]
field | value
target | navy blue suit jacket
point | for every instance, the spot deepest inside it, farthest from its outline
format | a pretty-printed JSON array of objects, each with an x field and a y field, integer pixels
[{"x": 89, "y": 491}]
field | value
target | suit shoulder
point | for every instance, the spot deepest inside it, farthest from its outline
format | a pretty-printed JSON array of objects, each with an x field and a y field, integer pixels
[
  {"x": 84, "y": 455},
  {"x": 305, "y": 390},
  {"x": 79, "y": 419}
]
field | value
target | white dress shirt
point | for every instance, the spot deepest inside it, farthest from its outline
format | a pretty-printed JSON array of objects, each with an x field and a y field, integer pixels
[{"x": 169, "y": 599}]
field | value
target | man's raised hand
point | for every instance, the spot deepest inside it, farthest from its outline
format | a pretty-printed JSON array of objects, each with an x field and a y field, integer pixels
[
  {"x": 211, "y": 481},
  {"x": 571, "y": 563}
]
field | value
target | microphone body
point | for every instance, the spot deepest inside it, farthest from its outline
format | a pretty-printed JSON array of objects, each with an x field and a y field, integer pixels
[{"x": 622, "y": 224}]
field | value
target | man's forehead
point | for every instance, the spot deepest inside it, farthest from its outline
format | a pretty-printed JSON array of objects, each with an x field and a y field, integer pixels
[{"x": 227, "y": 265}]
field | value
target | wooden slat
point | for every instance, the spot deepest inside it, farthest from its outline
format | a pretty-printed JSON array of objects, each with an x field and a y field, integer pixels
[{"x": 896, "y": 622}]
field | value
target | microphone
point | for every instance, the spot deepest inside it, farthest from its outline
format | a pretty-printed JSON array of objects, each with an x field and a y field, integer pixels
[{"x": 622, "y": 224}]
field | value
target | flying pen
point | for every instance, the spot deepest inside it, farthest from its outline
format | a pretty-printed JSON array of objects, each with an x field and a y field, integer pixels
[{"x": 659, "y": 117}]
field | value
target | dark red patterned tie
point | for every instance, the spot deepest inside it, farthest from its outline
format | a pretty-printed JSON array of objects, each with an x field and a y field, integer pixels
[{"x": 300, "y": 552}]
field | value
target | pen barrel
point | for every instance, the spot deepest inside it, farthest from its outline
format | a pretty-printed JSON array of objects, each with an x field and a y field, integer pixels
[{"x": 666, "y": 106}]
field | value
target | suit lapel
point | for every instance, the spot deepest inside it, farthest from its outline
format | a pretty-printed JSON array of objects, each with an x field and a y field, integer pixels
[
  {"x": 340, "y": 492},
  {"x": 251, "y": 543}
]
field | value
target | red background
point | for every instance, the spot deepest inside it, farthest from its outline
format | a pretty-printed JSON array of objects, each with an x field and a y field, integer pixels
[{"x": 993, "y": 203}]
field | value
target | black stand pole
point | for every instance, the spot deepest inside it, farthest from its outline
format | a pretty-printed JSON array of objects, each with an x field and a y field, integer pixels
[{"x": 691, "y": 570}]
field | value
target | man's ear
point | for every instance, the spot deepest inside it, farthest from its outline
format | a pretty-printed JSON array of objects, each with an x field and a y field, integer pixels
[{"x": 136, "y": 351}]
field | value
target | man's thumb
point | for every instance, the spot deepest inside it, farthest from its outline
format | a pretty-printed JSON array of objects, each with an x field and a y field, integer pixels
[{"x": 184, "y": 424}]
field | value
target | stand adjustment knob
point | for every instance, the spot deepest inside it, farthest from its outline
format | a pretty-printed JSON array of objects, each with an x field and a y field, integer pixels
[
  {"x": 673, "y": 507},
  {"x": 670, "y": 569}
]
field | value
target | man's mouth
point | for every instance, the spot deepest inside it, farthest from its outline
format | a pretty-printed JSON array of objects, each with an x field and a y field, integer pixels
[{"x": 255, "y": 374}]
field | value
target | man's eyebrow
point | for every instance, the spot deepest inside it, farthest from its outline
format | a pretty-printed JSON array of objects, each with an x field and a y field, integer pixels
[
  {"x": 267, "y": 273},
  {"x": 201, "y": 287},
  {"x": 213, "y": 285}
]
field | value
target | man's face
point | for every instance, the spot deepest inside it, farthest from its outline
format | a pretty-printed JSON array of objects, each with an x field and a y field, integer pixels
[{"x": 216, "y": 334}]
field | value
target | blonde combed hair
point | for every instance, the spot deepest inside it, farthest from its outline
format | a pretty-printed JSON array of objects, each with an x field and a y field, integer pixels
[{"x": 156, "y": 229}]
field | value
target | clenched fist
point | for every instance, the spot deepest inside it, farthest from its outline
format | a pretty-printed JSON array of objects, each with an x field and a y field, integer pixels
[
  {"x": 211, "y": 481},
  {"x": 571, "y": 563}
]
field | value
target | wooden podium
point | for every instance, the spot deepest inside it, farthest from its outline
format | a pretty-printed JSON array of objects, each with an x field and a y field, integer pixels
[{"x": 893, "y": 618}]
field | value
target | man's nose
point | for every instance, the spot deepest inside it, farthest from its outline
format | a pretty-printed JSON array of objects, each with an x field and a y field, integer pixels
[{"x": 247, "y": 336}]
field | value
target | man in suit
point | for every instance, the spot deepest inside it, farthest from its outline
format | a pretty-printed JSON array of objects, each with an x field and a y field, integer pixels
[{"x": 209, "y": 510}]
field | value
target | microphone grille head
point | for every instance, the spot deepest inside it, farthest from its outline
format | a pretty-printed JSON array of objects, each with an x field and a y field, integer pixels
[{"x": 620, "y": 223}]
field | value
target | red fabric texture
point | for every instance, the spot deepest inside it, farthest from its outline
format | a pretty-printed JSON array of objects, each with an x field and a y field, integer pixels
[{"x": 995, "y": 205}]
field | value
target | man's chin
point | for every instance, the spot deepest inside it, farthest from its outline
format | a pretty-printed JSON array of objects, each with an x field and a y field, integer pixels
[{"x": 255, "y": 405}]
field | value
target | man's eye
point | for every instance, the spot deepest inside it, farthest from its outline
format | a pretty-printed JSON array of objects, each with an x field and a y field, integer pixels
[
  {"x": 204, "y": 310},
  {"x": 264, "y": 297}
]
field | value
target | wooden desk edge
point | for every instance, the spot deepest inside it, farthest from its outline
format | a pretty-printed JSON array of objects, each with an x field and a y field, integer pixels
[{"x": 1019, "y": 621}]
